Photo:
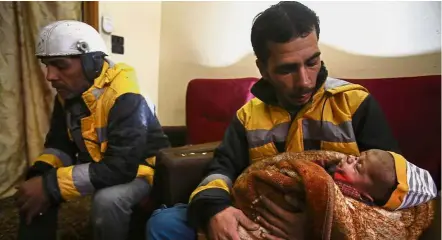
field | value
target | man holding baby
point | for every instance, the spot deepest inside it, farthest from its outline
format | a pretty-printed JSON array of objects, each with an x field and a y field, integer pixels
[{"x": 297, "y": 107}]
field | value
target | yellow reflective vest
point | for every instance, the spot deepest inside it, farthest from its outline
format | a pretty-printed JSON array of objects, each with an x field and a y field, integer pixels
[
  {"x": 341, "y": 117},
  {"x": 108, "y": 136}
]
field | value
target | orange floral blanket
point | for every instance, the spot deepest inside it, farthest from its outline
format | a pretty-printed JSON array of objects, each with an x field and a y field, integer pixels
[{"x": 331, "y": 215}]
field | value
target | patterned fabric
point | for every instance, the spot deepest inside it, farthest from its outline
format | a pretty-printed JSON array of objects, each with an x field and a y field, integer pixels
[
  {"x": 331, "y": 214},
  {"x": 349, "y": 191},
  {"x": 25, "y": 96}
]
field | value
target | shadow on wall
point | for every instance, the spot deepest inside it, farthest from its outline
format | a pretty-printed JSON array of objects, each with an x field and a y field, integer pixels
[
  {"x": 340, "y": 64},
  {"x": 173, "y": 84}
]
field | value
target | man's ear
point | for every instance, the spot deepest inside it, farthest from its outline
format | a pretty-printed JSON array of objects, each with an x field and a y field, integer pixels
[{"x": 262, "y": 69}]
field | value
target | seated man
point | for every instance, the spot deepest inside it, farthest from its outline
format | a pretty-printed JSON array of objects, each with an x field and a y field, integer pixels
[
  {"x": 103, "y": 137},
  {"x": 297, "y": 107}
]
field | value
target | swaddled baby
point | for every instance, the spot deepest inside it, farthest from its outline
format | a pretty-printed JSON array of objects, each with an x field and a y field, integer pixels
[
  {"x": 370, "y": 178},
  {"x": 376, "y": 177}
]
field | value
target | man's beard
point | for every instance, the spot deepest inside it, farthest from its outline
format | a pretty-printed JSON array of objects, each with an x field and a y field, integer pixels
[
  {"x": 289, "y": 105},
  {"x": 75, "y": 94},
  {"x": 320, "y": 79}
]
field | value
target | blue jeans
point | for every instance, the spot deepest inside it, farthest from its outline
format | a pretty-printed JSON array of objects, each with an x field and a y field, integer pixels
[{"x": 170, "y": 224}]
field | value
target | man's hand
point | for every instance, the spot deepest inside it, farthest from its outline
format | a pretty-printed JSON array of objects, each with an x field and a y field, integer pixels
[
  {"x": 31, "y": 198},
  {"x": 281, "y": 223},
  {"x": 224, "y": 225}
]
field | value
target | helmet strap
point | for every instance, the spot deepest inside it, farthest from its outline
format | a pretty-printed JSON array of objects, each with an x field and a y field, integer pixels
[{"x": 92, "y": 64}]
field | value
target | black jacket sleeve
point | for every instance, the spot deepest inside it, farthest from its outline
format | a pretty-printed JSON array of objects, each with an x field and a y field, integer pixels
[
  {"x": 371, "y": 128},
  {"x": 127, "y": 129},
  {"x": 127, "y": 132},
  {"x": 57, "y": 138},
  {"x": 230, "y": 159}
]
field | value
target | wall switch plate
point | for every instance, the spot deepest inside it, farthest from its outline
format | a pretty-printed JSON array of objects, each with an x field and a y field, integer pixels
[
  {"x": 119, "y": 49},
  {"x": 117, "y": 40},
  {"x": 117, "y": 44}
]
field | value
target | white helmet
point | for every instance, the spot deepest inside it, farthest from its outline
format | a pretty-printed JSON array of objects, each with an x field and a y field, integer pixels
[{"x": 69, "y": 37}]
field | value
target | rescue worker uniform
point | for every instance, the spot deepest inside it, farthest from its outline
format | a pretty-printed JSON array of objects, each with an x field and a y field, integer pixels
[
  {"x": 340, "y": 116},
  {"x": 102, "y": 143}
]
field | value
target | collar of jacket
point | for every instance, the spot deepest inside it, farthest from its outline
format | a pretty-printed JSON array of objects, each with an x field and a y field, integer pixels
[
  {"x": 109, "y": 72},
  {"x": 265, "y": 92}
]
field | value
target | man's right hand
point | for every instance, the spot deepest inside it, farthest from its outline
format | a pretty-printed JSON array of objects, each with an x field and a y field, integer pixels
[{"x": 224, "y": 225}]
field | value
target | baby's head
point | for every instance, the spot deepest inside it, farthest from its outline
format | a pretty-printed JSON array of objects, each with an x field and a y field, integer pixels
[{"x": 373, "y": 174}]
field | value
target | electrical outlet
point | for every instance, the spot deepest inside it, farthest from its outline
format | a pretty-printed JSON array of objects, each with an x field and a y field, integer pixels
[
  {"x": 117, "y": 44},
  {"x": 117, "y": 40},
  {"x": 119, "y": 49}
]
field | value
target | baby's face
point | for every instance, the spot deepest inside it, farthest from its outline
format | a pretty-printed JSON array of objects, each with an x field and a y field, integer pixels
[{"x": 357, "y": 171}]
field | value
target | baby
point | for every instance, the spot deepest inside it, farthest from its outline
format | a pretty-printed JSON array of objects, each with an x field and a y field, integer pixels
[
  {"x": 370, "y": 178},
  {"x": 376, "y": 177}
]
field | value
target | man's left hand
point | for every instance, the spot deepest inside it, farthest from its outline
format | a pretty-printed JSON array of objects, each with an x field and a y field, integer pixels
[
  {"x": 282, "y": 223},
  {"x": 31, "y": 198}
]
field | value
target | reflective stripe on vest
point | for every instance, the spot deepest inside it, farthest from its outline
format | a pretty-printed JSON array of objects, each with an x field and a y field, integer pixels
[{"x": 325, "y": 124}]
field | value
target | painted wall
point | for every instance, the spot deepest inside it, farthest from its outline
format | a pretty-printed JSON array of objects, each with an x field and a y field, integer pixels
[
  {"x": 139, "y": 23},
  {"x": 358, "y": 40}
]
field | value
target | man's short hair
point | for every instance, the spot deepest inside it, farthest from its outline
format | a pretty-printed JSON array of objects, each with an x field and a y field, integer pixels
[{"x": 280, "y": 23}]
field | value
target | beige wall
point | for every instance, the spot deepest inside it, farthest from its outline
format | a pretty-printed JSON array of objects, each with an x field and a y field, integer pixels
[
  {"x": 170, "y": 43},
  {"x": 358, "y": 40},
  {"x": 139, "y": 23}
]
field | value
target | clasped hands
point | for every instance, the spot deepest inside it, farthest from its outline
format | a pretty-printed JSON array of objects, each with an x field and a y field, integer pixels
[{"x": 281, "y": 224}]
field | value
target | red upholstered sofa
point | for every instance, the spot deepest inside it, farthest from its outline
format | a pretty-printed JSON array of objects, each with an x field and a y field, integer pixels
[
  {"x": 412, "y": 107},
  {"x": 211, "y": 104}
]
